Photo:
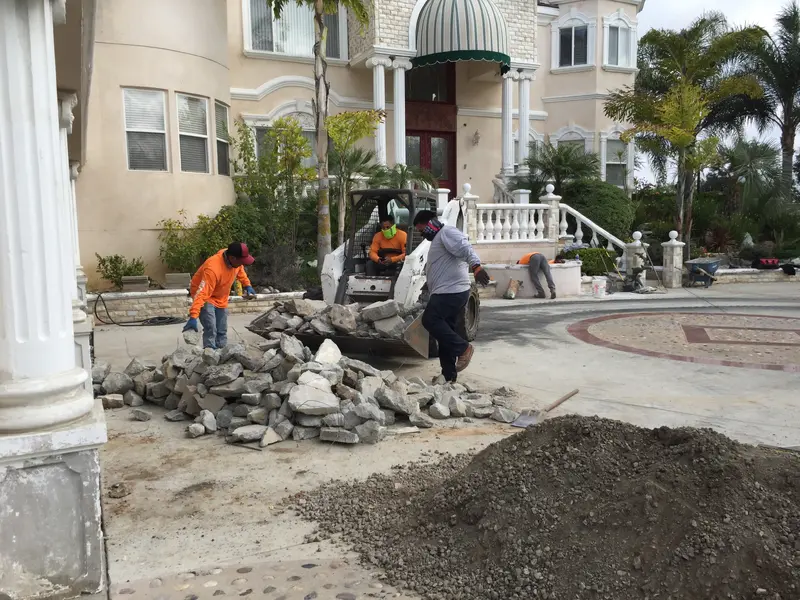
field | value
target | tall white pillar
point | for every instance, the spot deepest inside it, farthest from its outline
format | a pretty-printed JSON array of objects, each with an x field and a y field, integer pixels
[
  {"x": 40, "y": 384},
  {"x": 80, "y": 275},
  {"x": 66, "y": 104},
  {"x": 523, "y": 132},
  {"x": 378, "y": 64},
  {"x": 507, "y": 169},
  {"x": 400, "y": 66},
  {"x": 603, "y": 154}
]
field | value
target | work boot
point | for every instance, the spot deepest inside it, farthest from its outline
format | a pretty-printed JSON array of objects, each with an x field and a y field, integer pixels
[
  {"x": 540, "y": 295},
  {"x": 464, "y": 360},
  {"x": 553, "y": 295}
]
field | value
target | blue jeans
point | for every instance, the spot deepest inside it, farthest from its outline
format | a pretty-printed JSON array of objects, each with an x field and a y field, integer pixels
[{"x": 215, "y": 326}]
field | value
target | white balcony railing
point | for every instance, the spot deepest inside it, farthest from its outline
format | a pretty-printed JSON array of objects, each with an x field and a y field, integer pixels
[{"x": 511, "y": 222}]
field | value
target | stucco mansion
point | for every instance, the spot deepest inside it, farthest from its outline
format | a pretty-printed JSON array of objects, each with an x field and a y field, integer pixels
[{"x": 170, "y": 77}]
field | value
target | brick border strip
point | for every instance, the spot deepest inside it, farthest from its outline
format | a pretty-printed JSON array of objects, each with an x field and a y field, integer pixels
[{"x": 580, "y": 330}]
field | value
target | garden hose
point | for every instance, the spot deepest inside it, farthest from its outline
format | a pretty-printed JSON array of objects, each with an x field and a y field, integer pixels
[{"x": 152, "y": 321}]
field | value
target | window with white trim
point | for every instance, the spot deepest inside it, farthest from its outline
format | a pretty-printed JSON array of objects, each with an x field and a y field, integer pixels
[
  {"x": 223, "y": 139},
  {"x": 293, "y": 33},
  {"x": 145, "y": 129},
  {"x": 616, "y": 162},
  {"x": 579, "y": 144},
  {"x": 193, "y": 132},
  {"x": 573, "y": 46},
  {"x": 619, "y": 45}
]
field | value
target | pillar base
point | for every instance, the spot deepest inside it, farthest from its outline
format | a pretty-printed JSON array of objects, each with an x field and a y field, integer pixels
[{"x": 51, "y": 543}]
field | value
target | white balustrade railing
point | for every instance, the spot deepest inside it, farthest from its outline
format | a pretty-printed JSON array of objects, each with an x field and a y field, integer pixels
[
  {"x": 501, "y": 193},
  {"x": 511, "y": 222},
  {"x": 595, "y": 229}
]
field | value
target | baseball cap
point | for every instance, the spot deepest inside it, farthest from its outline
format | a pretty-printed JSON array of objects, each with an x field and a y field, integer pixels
[{"x": 240, "y": 251}]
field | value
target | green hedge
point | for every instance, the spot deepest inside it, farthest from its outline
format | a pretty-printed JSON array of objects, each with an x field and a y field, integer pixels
[
  {"x": 605, "y": 204},
  {"x": 595, "y": 261}
]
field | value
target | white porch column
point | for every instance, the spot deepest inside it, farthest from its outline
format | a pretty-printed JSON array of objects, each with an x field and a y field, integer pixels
[
  {"x": 400, "y": 66},
  {"x": 523, "y": 132},
  {"x": 66, "y": 104},
  {"x": 603, "y": 154},
  {"x": 80, "y": 275},
  {"x": 378, "y": 64},
  {"x": 631, "y": 158},
  {"x": 40, "y": 384},
  {"x": 507, "y": 169}
]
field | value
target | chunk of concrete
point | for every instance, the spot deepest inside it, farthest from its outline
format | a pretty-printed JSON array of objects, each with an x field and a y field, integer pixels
[
  {"x": 250, "y": 358},
  {"x": 370, "y": 432},
  {"x": 389, "y": 416},
  {"x": 222, "y": 374},
  {"x": 457, "y": 406},
  {"x": 335, "y": 434},
  {"x": 370, "y": 385},
  {"x": 224, "y": 417},
  {"x": 379, "y": 310},
  {"x": 251, "y": 399},
  {"x": 175, "y": 415},
  {"x": 359, "y": 366},
  {"x": 210, "y": 402},
  {"x": 117, "y": 383},
  {"x": 258, "y": 384},
  {"x": 195, "y": 430},
  {"x": 306, "y": 308},
  {"x": 292, "y": 349},
  {"x": 232, "y": 389},
  {"x": 131, "y": 398},
  {"x": 300, "y": 433},
  {"x": 270, "y": 401},
  {"x": 113, "y": 401},
  {"x": 328, "y": 353},
  {"x": 284, "y": 429},
  {"x": 313, "y": 401},
  {"x": 322, "y": 326},
  {"x": 504, "y": 415},
  {"x": 140, "y": 382},
  {"x": 370, "y": 412},
  {"x": 100, "y": 370},
  {"x": 393, "y": 327},
  {"x": 308, "y": 420},
  {"x": 316, "y": 381},
  {"x": 210, "y": 357},
  {"x": 207, "y": 420},
  {"x": 421, "y": 420},
  {"x": 343, "y": 318},
  {"x": 134, "y": 368},
  {"x": 270, "y": 437},
  {"x": 259, "y": 416},
  {"x": 140, "y": 415},
  {"x": 439, "y": 411},
  {"x": 248, "y": 433},
  {"x": 392, "y": 400},
  {"x": 422, "y": 399},
  {"x": 333, "y": 420}
]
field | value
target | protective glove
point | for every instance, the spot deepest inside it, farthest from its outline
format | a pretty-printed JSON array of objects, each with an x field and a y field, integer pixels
[
  {"x": 481, "y": 276},
  {"x": 191, "y": 324},
  {"x": 249, "y": 292}
]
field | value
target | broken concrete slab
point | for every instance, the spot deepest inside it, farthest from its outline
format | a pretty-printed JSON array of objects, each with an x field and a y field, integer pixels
[
  {"x": 306, "y": 308},
  {"x": 333, "y": 420},
  {"x": 248, "y": 433},
  {"x": 392, "y": 400},
  {"x": 343, "y": 318},
  {"x": 207, "y": 420},
  {"x": 370, "y": 412},
  {"x": 313, "y": 401},
  {"x": 140, "y": 415},
  {"x": 438, "y": 410},
  {"x": 175, "y": 415},
  {"x": 131, "y": 398},
  {"x": 210, "y": 402},
  {"x": 100, "y": 370},
  {"x": 284, "y": 429},
  {"x": 117, "y": 383},
  {"x": 420, "y": 419},
  {"x": 300, "y": 433},
  {"x": 222, "y": 374},
  {"x": 134, "y": 368},
  {"x": 379, "y": 310},
  {"x": 232, "y": 389},
  {"x": 259, "y": 416},
  {"x": 270, "y": 437},
  {"x": 393, "y": 327},
  {"x": 292, "y": 349},
  {"x": 322, "y": 326},
  {"x": 370, "y": 432},
  {"x": 504, "y": 415},
  {"x": 359, "y": 366},
  {"x": 328, "y": 353},
  {"x": 308, "y": 420},
  {"x": 340, "y": 436},
  {"x": 112, "y": 401},
  {"x": 195, "y": 430},
  {"x": 370, "y": 385}
]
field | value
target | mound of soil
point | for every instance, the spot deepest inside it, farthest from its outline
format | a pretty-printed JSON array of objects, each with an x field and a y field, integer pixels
[{"x": 581, "y": 508}]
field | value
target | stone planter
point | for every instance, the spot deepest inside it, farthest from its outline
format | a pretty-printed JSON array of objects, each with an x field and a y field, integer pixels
[
  {"x": 136, "y": 283},
  {"x": 178, "y": 281}
]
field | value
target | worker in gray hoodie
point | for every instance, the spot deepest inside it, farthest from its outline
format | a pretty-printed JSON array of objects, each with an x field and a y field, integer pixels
[{"x": 450, "y": 258}]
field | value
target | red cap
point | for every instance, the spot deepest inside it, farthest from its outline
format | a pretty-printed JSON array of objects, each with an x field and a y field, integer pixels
[{"x": 240, "y": 251}]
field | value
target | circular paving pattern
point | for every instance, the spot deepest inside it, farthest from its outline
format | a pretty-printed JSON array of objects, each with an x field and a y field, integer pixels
[{"x": 731, "y": 340}]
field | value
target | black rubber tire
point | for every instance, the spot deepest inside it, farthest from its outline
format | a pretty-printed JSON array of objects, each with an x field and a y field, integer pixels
[{"x": 469, "y": 321}]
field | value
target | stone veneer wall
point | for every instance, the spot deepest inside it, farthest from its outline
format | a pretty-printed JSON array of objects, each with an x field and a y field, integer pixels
[
  {"x": 359, "y": 41},
  {"x": 754, "y": 276},
  {"x": 137, "y": 306}
]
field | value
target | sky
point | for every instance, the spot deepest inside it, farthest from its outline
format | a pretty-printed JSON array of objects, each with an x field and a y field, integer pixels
[{"x": 677, "y": 14}]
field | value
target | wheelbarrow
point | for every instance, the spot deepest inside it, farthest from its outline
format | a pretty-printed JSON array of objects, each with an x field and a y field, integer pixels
[{"x": 702, "y": 270}]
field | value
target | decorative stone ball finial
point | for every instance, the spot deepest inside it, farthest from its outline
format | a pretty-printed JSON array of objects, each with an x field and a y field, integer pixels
[
  {"x": 549, "y": 188},
  {"x": 467, "y": 187},
  {"x": 637, "y": 235},
  {"x": 673, "y": 235}
]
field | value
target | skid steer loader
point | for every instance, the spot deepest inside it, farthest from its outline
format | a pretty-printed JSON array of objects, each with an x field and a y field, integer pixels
[{"x": 344, "y": 278}]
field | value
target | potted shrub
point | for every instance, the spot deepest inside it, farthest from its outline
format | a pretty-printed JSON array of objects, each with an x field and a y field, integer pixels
[
  {"x": 178, "y": 251},
  {"x": 126, "y": 275}
]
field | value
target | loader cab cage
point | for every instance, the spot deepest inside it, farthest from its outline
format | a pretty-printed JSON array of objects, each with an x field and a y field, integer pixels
[{"x": 369, "y": 208}]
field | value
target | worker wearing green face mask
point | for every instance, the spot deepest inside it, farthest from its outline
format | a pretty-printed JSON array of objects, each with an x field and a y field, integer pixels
[{"x": 388, "y": 249}]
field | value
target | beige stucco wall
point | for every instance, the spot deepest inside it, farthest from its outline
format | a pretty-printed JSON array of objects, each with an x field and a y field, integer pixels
[{"x": 175, "y": 46}]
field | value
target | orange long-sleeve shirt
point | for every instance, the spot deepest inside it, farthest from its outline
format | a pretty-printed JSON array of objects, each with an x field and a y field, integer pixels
[
  {"x": 526, "y": 260},
  {"x": 212, "y": 283},
  {"x": 381, "y": 242}
]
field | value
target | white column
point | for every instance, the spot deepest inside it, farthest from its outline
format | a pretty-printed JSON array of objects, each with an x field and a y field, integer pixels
[
  {"x": 525, "y": 78},
  {"x": 673, "y": 261},
  {"x": 80, "y": 275},
  {"x": 631, "y": 158},
  {"x": 507, "y": 169},
  {"x": 603, "y": 154},
  {"x": 66, "y": 104},
  {"x": 378, "y": 65},
  {"x": 40, "y": 385},
  {"x": 400, "y": 67}
]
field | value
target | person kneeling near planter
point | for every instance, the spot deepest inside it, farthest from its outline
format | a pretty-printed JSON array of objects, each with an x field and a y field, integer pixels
[
  {"x": 210, "y": 289},
  {"x": 537, "y": 263}
]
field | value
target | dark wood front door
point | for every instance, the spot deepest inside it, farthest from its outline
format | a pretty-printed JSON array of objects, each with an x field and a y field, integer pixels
[{"x": 434, "y": 151}]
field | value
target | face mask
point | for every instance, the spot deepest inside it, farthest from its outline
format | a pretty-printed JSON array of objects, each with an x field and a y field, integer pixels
[
  {"x": 431, "y": 229},
  {"x": 390, "y": 233}
]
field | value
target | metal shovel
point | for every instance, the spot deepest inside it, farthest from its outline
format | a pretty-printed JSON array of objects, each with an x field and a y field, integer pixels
[{"x": 532, "y": 417}]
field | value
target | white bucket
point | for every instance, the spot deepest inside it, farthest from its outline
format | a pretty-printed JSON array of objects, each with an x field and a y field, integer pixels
[{"x": 599, "y": 287}]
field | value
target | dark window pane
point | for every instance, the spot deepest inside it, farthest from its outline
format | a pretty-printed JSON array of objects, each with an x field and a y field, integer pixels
[
  {"x": 194, "y": 154},
  {"x": 565, "y": 48},
  {"x": 147, "y": 151},
  {"x": 440, "y": 151},
  {"x": 429, "y": 84},
  {"x": 615, "y": 174},
  {"x": 332, "y": 41},
  {"x": 261, "y": 25},
  {"x": 413, "y": 153},
  {"x": 581, "y": 46},
  {"x": 223, "y": 159},
  {"x": 613, "y": 45}
]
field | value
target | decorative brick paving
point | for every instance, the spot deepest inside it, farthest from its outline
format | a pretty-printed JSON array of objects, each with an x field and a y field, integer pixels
[{"x": 725, "y": 339}]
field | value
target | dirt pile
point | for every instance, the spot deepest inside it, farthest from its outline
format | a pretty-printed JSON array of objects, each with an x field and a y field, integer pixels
[{"x": 581, "y": 508}]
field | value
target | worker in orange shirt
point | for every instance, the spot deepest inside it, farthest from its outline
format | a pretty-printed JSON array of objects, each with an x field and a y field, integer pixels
[
  {"x": 388, "y": 248},
  {"x": 210, "y": 289},
  {"x": 537, "y": 263}
]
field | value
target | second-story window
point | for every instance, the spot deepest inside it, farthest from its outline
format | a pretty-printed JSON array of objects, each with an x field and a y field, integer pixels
[
  {"x": 293, "y": 33},
  {"x": 574, "y": 46}
]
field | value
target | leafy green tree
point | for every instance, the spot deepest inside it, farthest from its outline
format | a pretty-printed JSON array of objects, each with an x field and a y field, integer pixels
[
  {"x": 360, "y": 11},
  {"x": 750, "y": 170},
  {"x": 775, "y": 63},
  {"x": 558, "y": 165},
  {"x": 345, "y": 130},
  {"x": 401, "y": 177}
]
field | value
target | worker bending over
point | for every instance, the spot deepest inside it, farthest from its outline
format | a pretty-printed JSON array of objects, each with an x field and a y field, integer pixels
[
  {"x": 537, "y": 263},
  {"x": 388, "y": 248},
  {"x": 449, "y": 258},
  {"x": 210, "y": 289}
]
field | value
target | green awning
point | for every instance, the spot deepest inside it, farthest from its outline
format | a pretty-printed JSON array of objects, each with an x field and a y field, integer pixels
[{"x": 455, "y": 30}]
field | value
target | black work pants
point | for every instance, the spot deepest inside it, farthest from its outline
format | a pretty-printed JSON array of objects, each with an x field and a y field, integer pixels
[
  {"x": 440, "y": 319},
  {"x": 374, "y": 269}
]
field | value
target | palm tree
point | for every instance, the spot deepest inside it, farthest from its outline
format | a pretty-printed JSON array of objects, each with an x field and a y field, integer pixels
[
  {"x": 360, "y": 11},
  {"x": 558, "y": 165},
  {"x": 401, "y": 177},
  {"x": 348, "y": 168},
  {"x": 752, "y": 172},
  {"x": 698, "y": 62},
  {"x": 775, "y": 63}
]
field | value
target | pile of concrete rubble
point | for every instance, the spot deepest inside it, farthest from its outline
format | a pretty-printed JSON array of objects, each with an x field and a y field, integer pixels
[
  {"x": 386, "y": 319},
  {"x": 279, "y": 390}
]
